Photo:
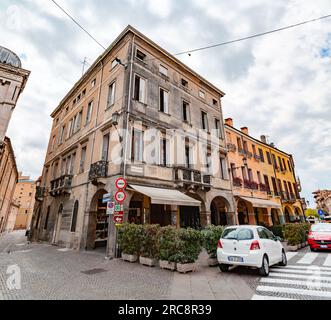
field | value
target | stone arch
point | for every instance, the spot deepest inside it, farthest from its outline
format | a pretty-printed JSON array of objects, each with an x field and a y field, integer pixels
[
  {"x": 195, "y": 217},
  {"x": 244, "y": 208},
  {"x": 96, "y": 212},
  {"x": 219, "y": 208},
  {"x": 288, "y": 213}
]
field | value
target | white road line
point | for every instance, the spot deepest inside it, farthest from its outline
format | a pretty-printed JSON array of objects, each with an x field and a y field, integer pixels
[
  {"x": 290, "y": 255},
  {"x": 306, "y": 292},
  {"x": 308, "y": 271},
  {"x": 299, "y": 276},
  {"x": 308, "y": 258},
  {"x": 308, "y": 282},
  {"x": 64, "y": 249},
  {"x": 327, "y": 261},
  {"x": 312, "y": 267},
  {"x": 260, "y": 297}
]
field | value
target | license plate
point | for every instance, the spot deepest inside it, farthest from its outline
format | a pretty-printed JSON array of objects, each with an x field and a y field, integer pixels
[
  {"x": 323, "y": 246},
  {"x": 236, "y": 259}
]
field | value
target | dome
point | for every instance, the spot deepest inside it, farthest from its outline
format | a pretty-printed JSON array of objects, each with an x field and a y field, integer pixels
[{"x": 9, "y": 57}]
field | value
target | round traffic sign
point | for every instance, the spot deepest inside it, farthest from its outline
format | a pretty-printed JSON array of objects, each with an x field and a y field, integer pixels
[
  {"x": 120, "y": 183},
  {"x": 120, "y": 196}
]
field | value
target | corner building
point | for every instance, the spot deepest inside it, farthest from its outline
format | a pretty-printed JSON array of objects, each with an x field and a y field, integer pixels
[
  {"x": 137, "y": 113},
  {"x": 265, "y": 187}
]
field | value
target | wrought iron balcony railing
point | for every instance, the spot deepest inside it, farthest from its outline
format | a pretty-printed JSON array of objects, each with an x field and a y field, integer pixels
[
  {"x": 237, "y": 182},
  {"x": 61, "y": 185},
  {"x": 40, "y": 193},
  {"x": 192, "y": 176},
  {"x": 98, "y": 170},
  {"x": 231, "y": 147}
]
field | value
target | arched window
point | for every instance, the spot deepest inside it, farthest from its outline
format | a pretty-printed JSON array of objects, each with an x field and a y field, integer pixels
[{"x": 74, "y": 217}]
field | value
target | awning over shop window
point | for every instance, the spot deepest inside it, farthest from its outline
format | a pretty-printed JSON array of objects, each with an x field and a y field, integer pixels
[
  {"x": 166, "y": 196},
  {"x": 262, "y": 203}
]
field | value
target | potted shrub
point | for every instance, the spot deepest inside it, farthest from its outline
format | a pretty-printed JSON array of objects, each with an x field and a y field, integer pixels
[
  {"x": 129, "y": 235},
  {"x": 168, "y": 239},
  {"x": 210, "y": 236},
  {"x": 189, "y": 246},
  {"x": 149, "y": 245},
  {"x": 293, "y": 237}
]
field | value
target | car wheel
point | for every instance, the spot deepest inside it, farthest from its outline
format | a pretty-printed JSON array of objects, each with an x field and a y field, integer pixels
[
  {"x": 264, "y": 270},
  {"x": 284, "y": 259},
  {"x": 312, "y": 249},
  {"x": 224, "y": 267}
]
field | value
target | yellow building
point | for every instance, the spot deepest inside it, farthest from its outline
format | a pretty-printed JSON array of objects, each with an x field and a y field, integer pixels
[
  {"x": 263, "y": 179},
  {"x": 25, "y": 197}
]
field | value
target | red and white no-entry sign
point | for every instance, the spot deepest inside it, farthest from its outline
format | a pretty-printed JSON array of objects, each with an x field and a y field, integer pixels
[
  {"x": 120, "y": 183},
  {"x": 120, "y": 196}
]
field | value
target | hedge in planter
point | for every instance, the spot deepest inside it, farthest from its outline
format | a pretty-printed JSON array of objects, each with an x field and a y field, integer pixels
[
  {"x": 168, "y": 243},
  {"x": 149, "y": 246},
  {"x": 189, "y": 246},
  {"x": 278, "y": 230},
  {"x": 129, "y": 238},
  {"x": 210, "y": 235}
]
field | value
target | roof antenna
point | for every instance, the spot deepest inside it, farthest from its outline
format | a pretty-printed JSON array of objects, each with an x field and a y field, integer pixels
[{"x": 84, "y": 63}]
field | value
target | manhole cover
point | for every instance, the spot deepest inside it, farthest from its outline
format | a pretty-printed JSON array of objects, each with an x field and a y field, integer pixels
[{"x": 93, "y": 271}]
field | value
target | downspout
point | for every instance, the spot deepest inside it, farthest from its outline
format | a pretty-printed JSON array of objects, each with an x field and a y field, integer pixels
[{"x": 91, "y": 154}]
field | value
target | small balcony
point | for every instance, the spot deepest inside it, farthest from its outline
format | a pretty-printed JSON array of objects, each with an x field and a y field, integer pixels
[
  {"x": 263, "y": 187},
  {"x": 40, "y": 193},
  {"x": 98, "y": 170},
  {"x": 248, "y": 184},
  {"x": 231, "y": 147},
  {"x": 248, "y": 154},
  {"x": 189, "y": 176},
  {"x": 237, "y": 182},
  {"x": 61, "y": 185}
]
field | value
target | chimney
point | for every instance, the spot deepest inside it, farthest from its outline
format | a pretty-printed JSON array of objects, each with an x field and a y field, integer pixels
[
  {"x": 244, "y": 130},
  {"x": 229, "y": 122},
  {"x": 263, "y": 139}
]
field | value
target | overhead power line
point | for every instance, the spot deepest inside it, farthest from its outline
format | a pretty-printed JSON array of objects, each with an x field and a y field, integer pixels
[
  {"x": 253, "y": 36},
  {"x": 78, "y": 24}
]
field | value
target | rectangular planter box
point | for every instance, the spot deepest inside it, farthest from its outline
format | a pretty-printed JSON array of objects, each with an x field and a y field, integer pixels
[
  {"x": 129, "y": 257},
  {"x": 167, "y": 265},
  {"x": 147, "y": 261},
  {"x": 212, "y": 262},
  {"x": 292, "y": 248},
  {"x": 186, "y": 267}
]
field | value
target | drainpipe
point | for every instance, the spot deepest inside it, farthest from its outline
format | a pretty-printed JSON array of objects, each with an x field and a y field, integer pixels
[{"x": 92, "y": 149}]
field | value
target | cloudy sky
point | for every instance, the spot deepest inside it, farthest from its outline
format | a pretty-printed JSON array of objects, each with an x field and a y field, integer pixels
[{"x": 278, "y": 85}]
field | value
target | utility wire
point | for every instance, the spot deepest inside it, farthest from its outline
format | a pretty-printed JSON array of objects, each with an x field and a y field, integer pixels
[
  {"x": 252, "y": 36},
  {"x": 78, "y": 24}
]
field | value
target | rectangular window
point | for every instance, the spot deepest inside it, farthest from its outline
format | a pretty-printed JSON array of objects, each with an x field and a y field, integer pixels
[
  {"x": 63, "y": 167},
  {"x": 290, "y": 187},
  {"x": 259, "y": 177},
  {"x": 201, "y": 94},
  {"x": 68, "y": 165},
  {"x": 184, "y": 83},
  {"x": 250, "y": 175},
  {"x": 266, "y": 182},
  {"x": 261, "y": 155},
  {"x": 163, "y": 70},
  {"x": 137, "y": 145},
  {"x": 111, "y": 95},
  {"x": 208, "y": 162},
  {"x": 164, "y": 101},
  {"x": 274, "y": 185},
  {"x": 296, "y": 191},
  {"x": 186, "y": 111},
  {"x": 217, "y": 127},
  {"x": 140, "y": 89},
  {"x": 215, "y": 103},
  {"x": 61, "y": 134},
  {"x": 204, "y": 120},
  {"x": 93, "y": 82},
  {"x": 72, "y": 163},
  {"x": 78, "y": 121},
  {"x": 223, "y": 168},
  {"x": 233, "y": 170},
  {"x": 187, "y": 157},
  {"x": 105, "y": 147},
  {"x": 253, "y": 148},
  {"x": 89, "y": 112},
  {"x": 82, "y": 160},
  {"x": 289, "y": 165},
  {"x": 239, "y": 144},
  {"x": 280, "y": 163},
  {"x": 284, "y": 165},
  {"x": 268, "y": 157},
  {"x": 164, "y": 154},
  {"x": 140, "y": 55},
  {"x": 274, "y": 161},
  {"x": 243, "y": 172},
  {"x": 114, "y": 63},
  {"x": 245, "y": 146}
]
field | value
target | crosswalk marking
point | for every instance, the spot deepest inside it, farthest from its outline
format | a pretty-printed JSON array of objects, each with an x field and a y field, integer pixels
[
  {"x": 302, "y": 267},
  {"x": 308, "y": 258},
  {"x": 261, "y": 297},
  {"x": 299, "y": 276},
  {"x": 306, "y": 292},
  {"x": 307, "y": 271},
  {"x": 308, "y": 282},
  {"x": 290, "y": 255},
  {"x": 327, "y": 261}
]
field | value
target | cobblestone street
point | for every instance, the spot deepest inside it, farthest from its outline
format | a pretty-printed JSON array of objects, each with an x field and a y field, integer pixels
[{"x": 50, "y": 272}]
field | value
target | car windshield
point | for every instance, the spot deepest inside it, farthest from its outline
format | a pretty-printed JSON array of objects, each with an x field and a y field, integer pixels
[
  {"x": 321, "y": 228},
  {"x": 238, "y": 234}
]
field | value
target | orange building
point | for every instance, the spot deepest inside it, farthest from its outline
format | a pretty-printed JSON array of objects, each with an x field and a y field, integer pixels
[
  {"x": 263, "y": 179},
  {"x": 25, "y": 197}
]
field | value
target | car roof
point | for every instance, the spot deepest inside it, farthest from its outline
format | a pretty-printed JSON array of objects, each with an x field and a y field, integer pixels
[{"x": 252, "y": 226}]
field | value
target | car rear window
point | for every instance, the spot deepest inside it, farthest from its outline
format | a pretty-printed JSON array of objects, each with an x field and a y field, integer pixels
[
  {"x": 238, "y": 234},
  {"x": 321, "y": 228}
]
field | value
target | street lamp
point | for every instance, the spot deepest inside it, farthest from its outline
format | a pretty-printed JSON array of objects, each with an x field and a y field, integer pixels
[{"x": 114, "y": 118}]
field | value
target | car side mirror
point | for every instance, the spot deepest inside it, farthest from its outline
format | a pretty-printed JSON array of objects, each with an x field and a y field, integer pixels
[{"x": 278, "y": 238}]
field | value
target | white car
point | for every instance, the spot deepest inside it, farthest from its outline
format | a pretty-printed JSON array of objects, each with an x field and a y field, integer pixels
[{"x": 251, "y": 246}]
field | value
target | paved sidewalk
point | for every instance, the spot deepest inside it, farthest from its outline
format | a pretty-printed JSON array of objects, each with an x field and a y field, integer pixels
[{"x": 208, "y": 283}]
